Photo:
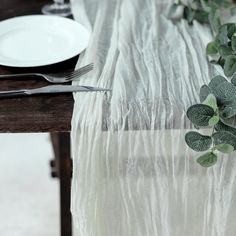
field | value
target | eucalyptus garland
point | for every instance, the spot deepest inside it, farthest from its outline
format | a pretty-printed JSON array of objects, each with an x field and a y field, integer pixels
[{"x": 216, "y": 111}]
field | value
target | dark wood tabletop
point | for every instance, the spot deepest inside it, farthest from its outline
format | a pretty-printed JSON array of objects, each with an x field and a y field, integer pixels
[{"x": 41, "y": 113}]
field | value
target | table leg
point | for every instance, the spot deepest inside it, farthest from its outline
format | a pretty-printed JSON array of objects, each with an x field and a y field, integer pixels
[{"x": 62, "y": 168}]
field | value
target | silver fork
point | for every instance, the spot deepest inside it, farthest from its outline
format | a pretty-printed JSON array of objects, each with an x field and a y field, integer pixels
[{"x": 56, "y": 78}]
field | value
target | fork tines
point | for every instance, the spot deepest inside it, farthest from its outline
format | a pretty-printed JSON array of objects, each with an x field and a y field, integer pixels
[{"x": 81, "y": 71}]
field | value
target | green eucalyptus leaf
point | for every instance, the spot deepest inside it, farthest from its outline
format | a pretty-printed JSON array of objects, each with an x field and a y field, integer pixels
[
  {"x": 208, "y": 159},
  {"x": 214, "y": 120},
  {"x": 224, "y": 137},
  {"x": 220, "y": 126},
  {"x": 233, "y": 80},
  {"x": 225, "y": 51},
  {"x": 229, "y": 110},
  {"x": 231, "y": 28},
  {"x": 214, "y": 19},
  {"x": 222, "y": 36},
  {"x": 211, "y": 101},
  {"x": 212, "y": 48},
  {"x": 230, "y": 121},
  {"x": 230, "y": 65},
  {"x": 215, "y": 81},
  {"x": 200, "y": 114},
  {"x": 225, "y": 148},
  {"x": 198, "y": 142},
  {"x": 201, "y": 16},
  {"x": 204, "y": 92},
  {"x": 233, "y": 42},
  {"x": 225, "y": 92}
]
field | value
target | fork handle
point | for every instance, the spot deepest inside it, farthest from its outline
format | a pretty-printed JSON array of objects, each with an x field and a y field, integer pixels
[{"x": 18, "y": 75}]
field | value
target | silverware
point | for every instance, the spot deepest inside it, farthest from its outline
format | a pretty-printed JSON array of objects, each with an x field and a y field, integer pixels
[
  {"x": 56, "y": 78},
  {"x": 51, "y": 89}
]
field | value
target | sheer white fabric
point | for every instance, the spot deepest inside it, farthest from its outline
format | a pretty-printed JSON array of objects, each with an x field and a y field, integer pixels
[{"x": 132, "y": 172}]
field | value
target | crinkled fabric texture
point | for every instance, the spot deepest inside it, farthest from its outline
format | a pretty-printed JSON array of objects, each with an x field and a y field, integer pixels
[{"x": 132, "y": 172}]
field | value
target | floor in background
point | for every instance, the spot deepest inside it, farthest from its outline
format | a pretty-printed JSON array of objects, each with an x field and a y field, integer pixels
[{"x": 29, "y": 203}]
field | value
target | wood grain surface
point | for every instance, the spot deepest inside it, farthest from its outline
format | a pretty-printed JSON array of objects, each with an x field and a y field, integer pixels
[{"x": 41, "y": 113}]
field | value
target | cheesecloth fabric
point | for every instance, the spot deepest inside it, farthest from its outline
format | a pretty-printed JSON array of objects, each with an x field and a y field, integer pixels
[{"x": 133, "y": 174}]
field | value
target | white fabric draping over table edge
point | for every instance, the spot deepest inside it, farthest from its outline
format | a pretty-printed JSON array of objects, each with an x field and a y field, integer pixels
[{"x": 132, "y": 172}]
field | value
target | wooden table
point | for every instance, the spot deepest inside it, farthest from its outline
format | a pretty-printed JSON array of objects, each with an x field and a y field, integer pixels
[{"x": 42, "y": 113}]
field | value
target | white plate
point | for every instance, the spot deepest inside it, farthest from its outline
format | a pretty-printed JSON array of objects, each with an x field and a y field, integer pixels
[{"x": 39, "y": 40}]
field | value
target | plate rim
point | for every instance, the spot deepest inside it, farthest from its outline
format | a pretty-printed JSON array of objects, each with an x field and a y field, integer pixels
[{"x": 41, "y": 63}]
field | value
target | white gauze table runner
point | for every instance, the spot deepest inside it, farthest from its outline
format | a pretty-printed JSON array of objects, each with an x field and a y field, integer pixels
[{"x": 132, "y": 172}]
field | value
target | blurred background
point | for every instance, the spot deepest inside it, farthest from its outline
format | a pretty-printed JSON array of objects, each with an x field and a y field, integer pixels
[{"x": 29, "y": 197}]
